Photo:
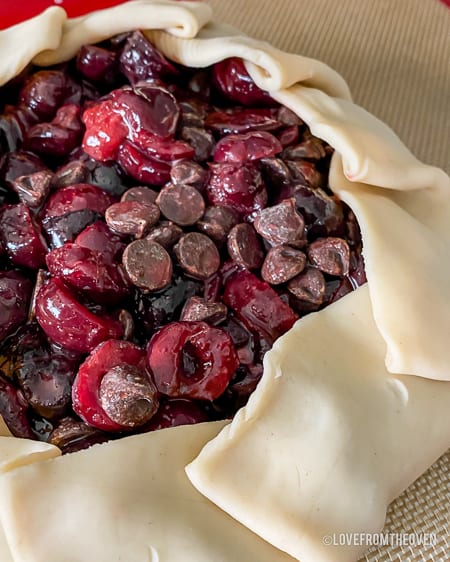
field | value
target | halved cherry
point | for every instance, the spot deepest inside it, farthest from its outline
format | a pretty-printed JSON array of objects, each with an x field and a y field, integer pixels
[
  {"x": 258, "y": 305},
  {"x": 232, "y": 79},
  {"x": 192, "y": 360},
  {"x": 114, "y": 360},
  {"x": 89, "y": 272},
  {"x": 77, "y": 198},
  {"x": 70, "y": 324}
]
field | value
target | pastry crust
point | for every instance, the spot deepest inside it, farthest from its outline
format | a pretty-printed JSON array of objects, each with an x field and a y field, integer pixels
[{"x": 386, "y": 428}]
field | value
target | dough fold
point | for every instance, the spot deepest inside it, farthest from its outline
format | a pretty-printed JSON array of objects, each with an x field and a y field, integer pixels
[{"x": 328, "y": 439}]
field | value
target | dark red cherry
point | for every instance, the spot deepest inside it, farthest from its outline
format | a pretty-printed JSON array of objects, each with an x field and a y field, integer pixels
[
  {"x": 174, "y": 412},
  {"x": 15, "y": 295},
  {"x": 45, "y": 91},
  {"x": 239, "y": 149},
  {"x": 99, "y": 238},
  {"x": 88, "y": 272},
  {"x": 86, "y": 391},
  {"x": 77, "y": 197},
  {"x": 233, "y": 81},
  {"x": 13, "y": 409},
  {"x": 239, "y": 120},
  {"x": 141, "y": 167},
  {"x": 258, "y": 305},
  {"x": 140, "y": 60},
  {"x": 70, "y": 324},
  {"x": 192, "y": 360},
  {"x": 22, "y": 237},
  {"x": 97, "y": 64},
  {"x": 239, "y": 187}
]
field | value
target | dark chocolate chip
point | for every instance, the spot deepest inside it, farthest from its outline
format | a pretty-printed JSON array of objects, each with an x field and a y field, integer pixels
[
  {"x": 311, "y": 148},
  {"x": 281, "y": 264},
  {"x": 197, "y": 309},
  {"x": 308, "y": 286},
  {"x": 166, "y": 233},
  {"x": 305, "y": 173},
  {"x": 71, "y": 174},
  {"x": 132, "y": 218},
  {"x": 70, "y": 430},
  {"x": 33, "y": 189},
  {"x": 281, "y": 224},
  {"x": 197, "y": 255},
  {"x": 244, "y": 246},
  {"x": 187, "y": 172},
  {"x": 182, "y": 204},
  {"x": 148, "y": 265},
  {"x": 128, "y": 396},
  {"x": 330, "y": 255},
  {"x": 201, "y": 140},
  {"x": 141, "y": 194},
  {"x": 217, "y": 223}
]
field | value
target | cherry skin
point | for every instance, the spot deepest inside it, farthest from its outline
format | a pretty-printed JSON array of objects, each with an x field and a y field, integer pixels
[
  {"x": 192, "y": 360},
  {"x": 70, "y": 324},
  {"x": 86, "y": 387}
]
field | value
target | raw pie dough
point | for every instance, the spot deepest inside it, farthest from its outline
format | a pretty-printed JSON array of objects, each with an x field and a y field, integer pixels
[{"x": 355, "y": 400}]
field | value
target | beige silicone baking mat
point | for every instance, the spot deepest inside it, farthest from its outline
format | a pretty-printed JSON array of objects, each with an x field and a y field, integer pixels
[{"x": 395, "y": 55}]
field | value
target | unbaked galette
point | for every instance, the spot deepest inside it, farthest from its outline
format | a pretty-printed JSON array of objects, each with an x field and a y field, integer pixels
[{"x": 224, "y": 297}]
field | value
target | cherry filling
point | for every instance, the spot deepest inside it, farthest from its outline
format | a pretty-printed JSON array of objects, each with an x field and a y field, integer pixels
[{"x": 173, "y": 222}]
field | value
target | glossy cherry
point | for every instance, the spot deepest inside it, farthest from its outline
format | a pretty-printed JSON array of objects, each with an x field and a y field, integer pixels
[
  {"x": 233, "y": 81},
  {"x": 70, "y": 324},
  {"x": 258, "y": 305},
  {"x": 192, "y": 360},
  {"x": 15, "y": 294},
  {"x": 22, "y": 237},
  {"x": 86, "y": 387},
  {"x": 77, "y": 197},
  {"x": 88, "y": 272}
]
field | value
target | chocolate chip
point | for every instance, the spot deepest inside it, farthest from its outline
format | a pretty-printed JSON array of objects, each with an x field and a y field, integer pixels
[
  {"x": 244, "y": 246},
  {"x": 281, "y": 264},
  {"x": 128, "y": 396},
  {"x": 187, "y": 172},
  {"x": 330, "y": 255},
  {"x": 33, "y": 189},
  {"x": 69, "y": 430},
  {"x": 147, "y": 264},
  {"x": 141, "y": 194},
  {"x": 197, "y": 309},
  {"x": 166, "y": 233},
  {"x": 311, "y": 148},
  {"x": 217, "y": 223},
  {"x": 308, "y": 286},
  {"x": 197, "y": 255},
  {"x": 201, "y": 140},
  {"x": 305, "y": 173},
  {"x": 276, "y": 173},
  {"x": 182, "y": 204},
  {"x": 132, "y": 218},
  {"x": 71, "y": 174},
  {"x": 280, "y": 224}
]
